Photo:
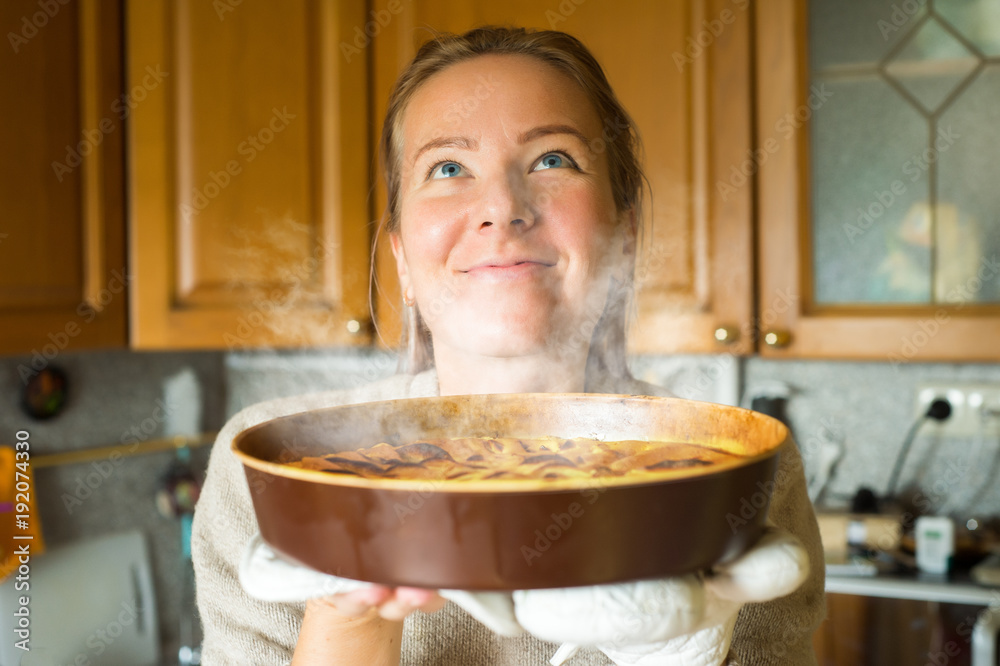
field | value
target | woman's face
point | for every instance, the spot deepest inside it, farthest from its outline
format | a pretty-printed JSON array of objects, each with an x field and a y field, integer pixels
[{"x": 508, "y": 233}]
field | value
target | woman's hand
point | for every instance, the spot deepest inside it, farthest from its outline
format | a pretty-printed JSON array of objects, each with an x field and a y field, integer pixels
[
  {"x": 364, "y": 626},
  {"x": 268, "y": 577},
  {"x": 392, "y": 603}
]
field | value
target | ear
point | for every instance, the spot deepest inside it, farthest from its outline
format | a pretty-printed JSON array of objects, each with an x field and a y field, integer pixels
[{"x": 396, "y": 241}]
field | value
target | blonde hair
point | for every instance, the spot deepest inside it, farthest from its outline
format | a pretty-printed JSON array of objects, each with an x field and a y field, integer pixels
[{"x": 621, "y": 142}]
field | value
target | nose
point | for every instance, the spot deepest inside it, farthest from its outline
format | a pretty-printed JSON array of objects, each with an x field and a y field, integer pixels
[{"x": 506, "y": 204}]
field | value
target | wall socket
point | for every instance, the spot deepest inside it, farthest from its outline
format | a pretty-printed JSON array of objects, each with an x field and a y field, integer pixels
[{"x": 975, "y": 409}]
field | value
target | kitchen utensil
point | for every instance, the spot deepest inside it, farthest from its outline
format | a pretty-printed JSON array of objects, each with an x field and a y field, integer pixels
[
  {"x": 91, "y": 602},
  {"x": 496, "y": 535}
]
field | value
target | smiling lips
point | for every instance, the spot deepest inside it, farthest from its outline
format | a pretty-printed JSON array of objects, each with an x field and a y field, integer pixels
[{"x": 507, "y": 270}]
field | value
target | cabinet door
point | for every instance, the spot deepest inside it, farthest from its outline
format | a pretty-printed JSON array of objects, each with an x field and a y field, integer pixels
[
  {"x": 63, "y": 277},
  {"x": 682, "y": 71},
  {"x": 879, "y": 214},
  {"x": 249, "y": 161},
  {"x": 871, "y": 631}
]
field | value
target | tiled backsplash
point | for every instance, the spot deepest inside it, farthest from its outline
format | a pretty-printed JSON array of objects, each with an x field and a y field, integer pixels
[
  {"x": 113, "y": 397},
  {"x": 867, "y": 406},
  {"x": 870, "y": 406}
]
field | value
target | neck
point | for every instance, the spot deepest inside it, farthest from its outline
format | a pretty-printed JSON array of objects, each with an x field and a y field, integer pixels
[{"x": 460, "y": 373}]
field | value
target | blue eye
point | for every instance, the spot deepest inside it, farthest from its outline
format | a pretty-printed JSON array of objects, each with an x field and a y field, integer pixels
[
  {"x": 447, "y": 170},
  {"x": 552, "y": 161}
]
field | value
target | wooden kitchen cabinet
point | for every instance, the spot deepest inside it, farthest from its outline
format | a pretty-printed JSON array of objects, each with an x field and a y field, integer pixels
[
  {"x": 249, "y": 134},
  {"x": 63, "y": 276},
  {"x": 692, "y": 106},
  {"x": 901, "y": 265},
  {"x": 249, "y": 174},
  {"x": 250, "y": 147},
  {"x": 871, "y": 631}
]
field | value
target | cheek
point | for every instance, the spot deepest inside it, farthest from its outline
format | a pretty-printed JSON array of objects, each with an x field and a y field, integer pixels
[
  {"x": 429, "y": 232},
  {"x": 582, "y": 222}
]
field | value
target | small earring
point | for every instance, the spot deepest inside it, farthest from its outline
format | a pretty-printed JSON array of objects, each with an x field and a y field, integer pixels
[{"x": 408, "y": 301}]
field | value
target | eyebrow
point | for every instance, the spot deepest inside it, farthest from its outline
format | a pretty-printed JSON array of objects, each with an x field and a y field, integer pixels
[
  {"x": 530, "y": 135},
  {"x": 447, "y": 142},
  {"x": 546, "y": 130}
]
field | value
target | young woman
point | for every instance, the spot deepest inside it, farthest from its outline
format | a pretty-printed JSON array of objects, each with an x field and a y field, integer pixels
[{"x": 514, "y": 193}]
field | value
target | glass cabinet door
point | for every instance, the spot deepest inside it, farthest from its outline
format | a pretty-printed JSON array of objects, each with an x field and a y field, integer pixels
[
  {"x": 904, "y": 201},
  {"x": 878, "y": 156}
]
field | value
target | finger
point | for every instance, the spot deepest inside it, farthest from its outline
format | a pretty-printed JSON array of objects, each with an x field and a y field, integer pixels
[
  {"x": 396, "y": 610},
  {"x": 414, "y": 596},
  {"x": 428, "y": 601},
  {"x": 777, "y": 565},
  {"x": 374, "y": 595},
  {"x": 343, "y": 607},
  {"x": 359, "y": 602}
]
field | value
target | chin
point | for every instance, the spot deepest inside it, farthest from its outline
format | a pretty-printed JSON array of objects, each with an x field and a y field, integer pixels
[
  {"x": 499, "y": 343},
  {"x": 510, "y": 336}
]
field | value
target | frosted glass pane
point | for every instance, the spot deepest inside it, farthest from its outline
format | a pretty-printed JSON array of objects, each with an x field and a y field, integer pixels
[
  {"x": 858, "y": 32},
  {"x": 968, "y": 222},
  {"x": 932, "y": 64},
  {"x": 871, "y": 227},
  {"x": 977, "y": 20}
]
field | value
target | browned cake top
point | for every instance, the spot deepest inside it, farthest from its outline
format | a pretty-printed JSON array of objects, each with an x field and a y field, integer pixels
[{"x": 477, "y": 458}]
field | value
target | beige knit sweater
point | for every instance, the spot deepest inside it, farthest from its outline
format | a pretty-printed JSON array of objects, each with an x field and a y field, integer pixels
[{"x": 242, "y": 631}]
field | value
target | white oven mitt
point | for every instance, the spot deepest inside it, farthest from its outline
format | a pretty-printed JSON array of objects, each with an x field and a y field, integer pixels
[
  {"x": 686, "y": 620},
  {"x": 265, "y": 575}
]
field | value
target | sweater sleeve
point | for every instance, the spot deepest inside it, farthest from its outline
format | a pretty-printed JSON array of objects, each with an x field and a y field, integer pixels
[
  {"x": 780, "y": 632},
  {"x": 239, "y": 629}
]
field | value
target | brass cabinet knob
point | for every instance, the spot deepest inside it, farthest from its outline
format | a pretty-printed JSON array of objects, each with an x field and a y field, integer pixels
[
  {"x": 727, "y": 335},
  {"x": 777, "y": 339}
]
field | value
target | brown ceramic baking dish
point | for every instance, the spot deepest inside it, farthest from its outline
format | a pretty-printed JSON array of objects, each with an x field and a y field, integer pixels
[{"x": 512, "y": 534}]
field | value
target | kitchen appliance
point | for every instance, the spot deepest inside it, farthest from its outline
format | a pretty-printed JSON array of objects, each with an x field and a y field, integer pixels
[
  {"x": 91, "y": 602},
  {"x": 507, "y": 534}
]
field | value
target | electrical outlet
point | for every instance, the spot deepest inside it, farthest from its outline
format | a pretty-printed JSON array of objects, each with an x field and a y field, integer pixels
[{"x": 975, "y": 409}]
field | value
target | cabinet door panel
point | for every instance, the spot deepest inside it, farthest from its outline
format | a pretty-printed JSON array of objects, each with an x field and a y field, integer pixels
[
  {"x": 694, "y": 273},
  {"x": 895, "y": 270},
  {"x": 62, "y": 260},
  {"x": 250, "y": 165}
]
